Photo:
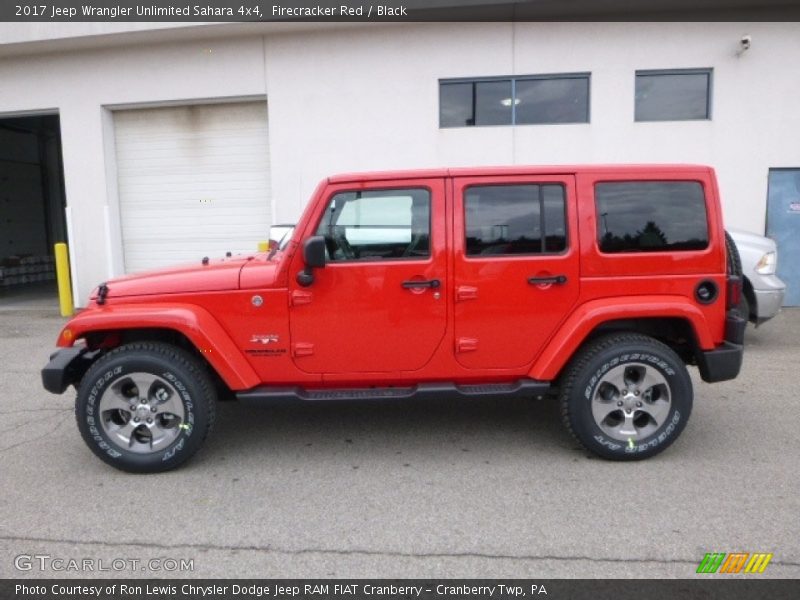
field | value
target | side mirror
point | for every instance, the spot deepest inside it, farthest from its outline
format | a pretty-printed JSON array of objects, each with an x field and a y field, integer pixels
[
  {"x": 314, "y": 257},
  {"x": 314, "y": 252}
]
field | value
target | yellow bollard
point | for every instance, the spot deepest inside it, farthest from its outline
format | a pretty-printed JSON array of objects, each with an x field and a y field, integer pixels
[
  {"x": 263, "y": 246},
  {"x": 62, "y": 275}
]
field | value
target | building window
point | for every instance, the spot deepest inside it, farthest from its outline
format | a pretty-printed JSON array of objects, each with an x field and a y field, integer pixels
[
  {"x": 677, "y": 95},
  {"x": 526, "y": 100},
  {"x": 515, "y": 219},
  {"x": 650, "y": 216}
]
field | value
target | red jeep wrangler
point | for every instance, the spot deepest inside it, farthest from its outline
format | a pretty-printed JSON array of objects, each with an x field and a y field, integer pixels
[{"x": 596, "y": 284}]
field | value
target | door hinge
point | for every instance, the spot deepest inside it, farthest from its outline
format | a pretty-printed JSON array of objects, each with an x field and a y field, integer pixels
[
  {"x": 302, "y": 349},
  {"x": 465, "y": 344},
  {"x": 466, "y": 292},
  {"x": 299, "y": 297}
]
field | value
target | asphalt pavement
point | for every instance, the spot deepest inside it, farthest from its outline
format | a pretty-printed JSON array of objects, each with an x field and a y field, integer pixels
[{"x": 414, "y": 489}]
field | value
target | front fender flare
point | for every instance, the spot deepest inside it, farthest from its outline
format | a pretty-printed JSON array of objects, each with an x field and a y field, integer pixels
[
  {"x": 194, "y": 322},
  {"x": 584, "y": 319}
]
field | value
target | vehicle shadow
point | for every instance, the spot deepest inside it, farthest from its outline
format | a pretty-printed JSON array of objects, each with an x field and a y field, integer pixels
[{"x": 386, "y": 427}]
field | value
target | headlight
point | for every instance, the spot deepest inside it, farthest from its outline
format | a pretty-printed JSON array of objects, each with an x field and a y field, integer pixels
[{"x": 767, "y": 264}]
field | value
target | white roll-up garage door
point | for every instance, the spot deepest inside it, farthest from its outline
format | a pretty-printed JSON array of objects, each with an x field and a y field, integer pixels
[{"x": 193, "y": 182}]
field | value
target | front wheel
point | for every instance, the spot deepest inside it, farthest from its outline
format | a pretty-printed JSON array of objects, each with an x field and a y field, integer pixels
[
  {"x": 145, "y": 407},
  {"x": 626, "y": 397}
]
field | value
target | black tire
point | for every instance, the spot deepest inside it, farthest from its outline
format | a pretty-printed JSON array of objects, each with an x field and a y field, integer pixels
[
  {"x": 735, "y": 270},
  {"x": 180, "y": 386},
  {"x": 734, "y": 260},
  {"x": 587, "y": 389}
]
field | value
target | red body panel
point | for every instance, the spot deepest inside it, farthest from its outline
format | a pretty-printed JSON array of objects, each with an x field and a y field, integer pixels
[
  {"x": 190, "y": 319},
  {"x": 357, "y": 326},
  {"x": 217, "y": 275},
  {"x": 591, "y": 314},
  {"x": 501, "y": 320},
  {"x": 357, "y": 317}
]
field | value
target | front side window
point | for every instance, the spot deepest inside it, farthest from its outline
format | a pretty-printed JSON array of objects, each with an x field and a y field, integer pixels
[
  {"x": 651, "y": 216},
  {"x": 515, "y": 219},
  {"x": 678, "y": 95},
  {"x": 377, "y": 225}
]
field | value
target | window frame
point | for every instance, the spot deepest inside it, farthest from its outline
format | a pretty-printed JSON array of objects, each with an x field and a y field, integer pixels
[
  {"x": 351, "y": 261},
  {"x": 587, "y": 75},
  {"x": 707, "y": 71},
  {"x": 518, "y": 255}
]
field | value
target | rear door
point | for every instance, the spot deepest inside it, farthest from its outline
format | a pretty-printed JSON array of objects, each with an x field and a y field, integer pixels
[{"x": 516, "y": 266}]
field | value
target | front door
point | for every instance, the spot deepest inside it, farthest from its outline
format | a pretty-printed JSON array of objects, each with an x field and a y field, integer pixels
[
  {"x": 380, "y": 302},
  {"x": 516, "y": 271},
  {"x": 783, "y": 226}
]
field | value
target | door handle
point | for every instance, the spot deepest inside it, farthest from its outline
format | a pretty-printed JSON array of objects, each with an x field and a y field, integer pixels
[
  {"x": 557, "y": 279},
  {"x": 422, "y": 283}
]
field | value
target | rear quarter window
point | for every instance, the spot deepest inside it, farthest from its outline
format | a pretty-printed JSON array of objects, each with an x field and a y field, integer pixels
[{"x": 651, "y": 216}]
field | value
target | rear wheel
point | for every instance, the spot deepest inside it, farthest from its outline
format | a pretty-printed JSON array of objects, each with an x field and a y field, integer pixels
[
  {"x": 626, "y": 397},
  {"x": 145, "y": 407}
]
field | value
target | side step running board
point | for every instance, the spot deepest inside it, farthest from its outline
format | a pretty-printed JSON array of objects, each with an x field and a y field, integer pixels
[{"x": 523, "y": 388}]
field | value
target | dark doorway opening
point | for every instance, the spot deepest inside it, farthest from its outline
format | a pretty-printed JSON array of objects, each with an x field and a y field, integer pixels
[{"x": 32, "y": 202}]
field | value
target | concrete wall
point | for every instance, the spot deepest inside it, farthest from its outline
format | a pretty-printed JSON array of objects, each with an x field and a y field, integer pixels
[
  {"x": 84, "y": 86},
  {"x": 367, "y": 98},
  {"x": 370, "y": 101}
]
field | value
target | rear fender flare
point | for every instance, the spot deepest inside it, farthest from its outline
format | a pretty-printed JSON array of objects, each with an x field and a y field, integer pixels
[{"x": 587, "y": 317}]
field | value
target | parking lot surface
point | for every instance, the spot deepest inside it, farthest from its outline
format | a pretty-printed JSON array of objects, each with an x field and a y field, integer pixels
[{"x": 414, "y": 489}]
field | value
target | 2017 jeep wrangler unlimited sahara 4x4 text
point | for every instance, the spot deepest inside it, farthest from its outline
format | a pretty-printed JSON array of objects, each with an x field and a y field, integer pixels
[{"x": 595, "y": 284}]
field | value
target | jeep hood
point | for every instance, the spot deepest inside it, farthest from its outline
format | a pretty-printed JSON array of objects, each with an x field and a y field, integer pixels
[{"x": 215, "y": 276}]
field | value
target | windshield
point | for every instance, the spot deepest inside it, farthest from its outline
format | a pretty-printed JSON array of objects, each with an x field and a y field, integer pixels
[{"x": 279, "y": 235}]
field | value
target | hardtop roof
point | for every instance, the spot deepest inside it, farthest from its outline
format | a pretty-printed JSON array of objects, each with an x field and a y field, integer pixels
[{"x": 617, "y": 169}]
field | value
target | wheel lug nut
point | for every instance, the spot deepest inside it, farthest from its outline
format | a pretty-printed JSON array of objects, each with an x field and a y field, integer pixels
[
  {"x": 628, "y": 410},
  {"x": 153, "y": 409},
  {"x": 133, "y": 407},
  {"x": 149, "y": 420},
  {"x": 636, "y": 393},
  {"x": 135, "y": 419},
  {"x": 144, "y": 400},
  {"x": 619, "y": 403},
  {"x": 639, "y": 404},
  {"x": 624, "y": 392}
]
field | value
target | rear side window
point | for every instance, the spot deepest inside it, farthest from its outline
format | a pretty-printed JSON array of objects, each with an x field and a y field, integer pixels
[
  {"x": 515, "y": 219},
  {"x": 651, "y": 216}
]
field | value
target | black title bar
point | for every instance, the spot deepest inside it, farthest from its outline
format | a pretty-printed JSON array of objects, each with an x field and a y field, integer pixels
[
  {"x": 396, "y": 10},
  {"x": 707, "y": 587}
]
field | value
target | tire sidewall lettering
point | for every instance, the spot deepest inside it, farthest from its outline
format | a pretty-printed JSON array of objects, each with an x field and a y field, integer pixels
[{"x": 587, "y": 384}]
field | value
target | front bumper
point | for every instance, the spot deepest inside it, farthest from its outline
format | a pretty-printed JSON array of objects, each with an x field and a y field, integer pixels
[
  {"x": 66, "y": 367},
  {"x": 768, "y": 303}
]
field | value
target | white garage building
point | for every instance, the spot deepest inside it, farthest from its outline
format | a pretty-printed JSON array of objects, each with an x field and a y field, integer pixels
[{"x": 185, "y": 140}]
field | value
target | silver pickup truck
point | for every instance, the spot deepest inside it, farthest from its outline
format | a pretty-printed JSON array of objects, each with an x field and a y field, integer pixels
[{"x": 763, "y": 290}]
